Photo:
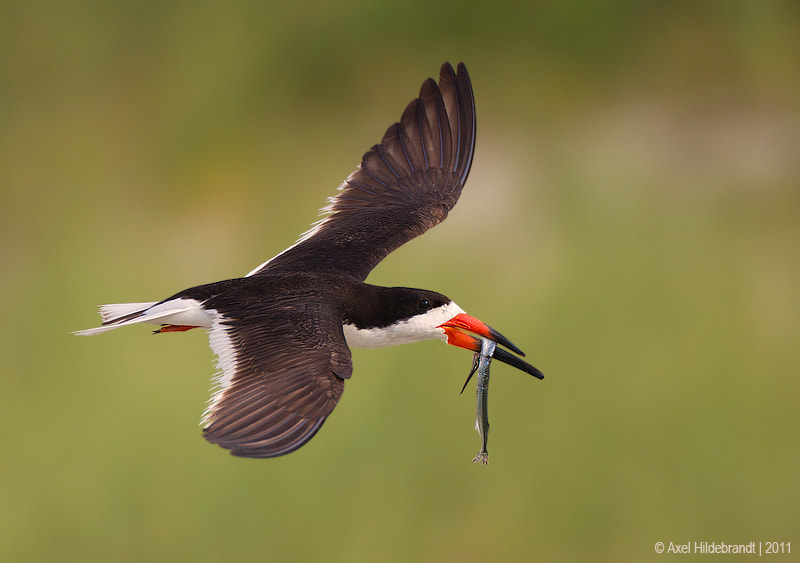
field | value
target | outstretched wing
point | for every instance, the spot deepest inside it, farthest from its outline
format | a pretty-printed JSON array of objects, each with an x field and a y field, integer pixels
[
  {"x": 282, "y": 371},
  {"x": 403, "y": 187}
]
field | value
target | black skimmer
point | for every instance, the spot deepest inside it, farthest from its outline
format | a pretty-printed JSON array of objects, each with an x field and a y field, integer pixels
[{"x": 282, "y": 334}]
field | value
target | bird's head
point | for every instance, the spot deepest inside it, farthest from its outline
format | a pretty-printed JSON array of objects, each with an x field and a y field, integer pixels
[{"x": 410, "y": 315}]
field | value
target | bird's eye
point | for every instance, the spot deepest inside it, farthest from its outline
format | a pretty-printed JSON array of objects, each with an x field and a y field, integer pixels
[{"x": 424, "y": 304}]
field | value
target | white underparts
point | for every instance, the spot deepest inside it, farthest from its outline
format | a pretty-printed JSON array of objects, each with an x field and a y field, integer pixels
[{"x": 415, "y": 329}]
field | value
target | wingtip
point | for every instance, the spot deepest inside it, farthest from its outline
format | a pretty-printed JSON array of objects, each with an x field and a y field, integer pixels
[{"x": 447, "y": 70}]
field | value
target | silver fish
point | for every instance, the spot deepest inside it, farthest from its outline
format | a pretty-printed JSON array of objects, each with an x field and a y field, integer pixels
[
  {"x": 486, "y": 350},
  {"x": 481, "y": 362}
]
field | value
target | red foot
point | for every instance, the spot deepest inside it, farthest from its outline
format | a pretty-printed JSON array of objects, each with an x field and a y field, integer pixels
[{"x": 174, "y": 328}]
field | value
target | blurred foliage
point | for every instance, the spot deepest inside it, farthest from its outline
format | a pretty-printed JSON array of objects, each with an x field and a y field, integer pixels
[{"x": 631, "y": 221}]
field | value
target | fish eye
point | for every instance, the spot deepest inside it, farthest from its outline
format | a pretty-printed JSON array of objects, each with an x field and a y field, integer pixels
[{"x": 424, "y": 304}]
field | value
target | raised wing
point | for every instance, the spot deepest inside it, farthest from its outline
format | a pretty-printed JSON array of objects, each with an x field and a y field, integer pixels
[
  {"x": 282, "y": 371},
  {"x": 404, "y": 186}
]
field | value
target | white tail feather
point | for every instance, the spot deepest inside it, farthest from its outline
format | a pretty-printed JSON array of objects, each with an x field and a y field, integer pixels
[
  {"x": 108, "y": 313},
  {"x": 187, "y": 312},
  {"x": 96, "y": 330}
]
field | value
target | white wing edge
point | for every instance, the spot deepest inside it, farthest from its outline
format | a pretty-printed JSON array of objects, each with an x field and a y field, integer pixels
[
  {"x": 221, "y": 344},
  {"x": 323, "y": 215}
]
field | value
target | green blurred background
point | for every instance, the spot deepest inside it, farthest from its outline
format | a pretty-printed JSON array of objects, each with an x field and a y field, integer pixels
[{"x": 632, "y": 221}]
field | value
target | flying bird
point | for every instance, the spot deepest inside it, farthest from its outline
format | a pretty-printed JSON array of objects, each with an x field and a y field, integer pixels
[{"x": 282, "y": 334}]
